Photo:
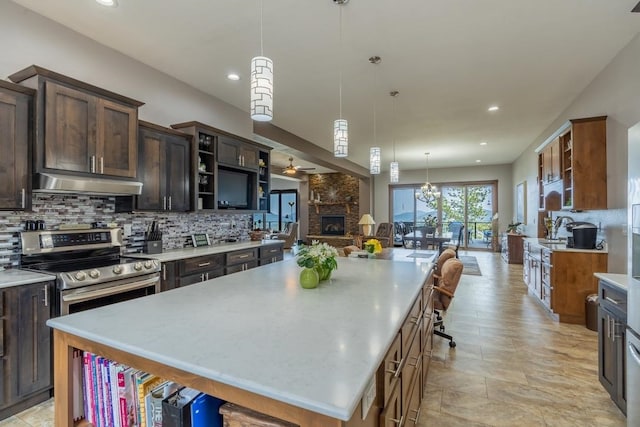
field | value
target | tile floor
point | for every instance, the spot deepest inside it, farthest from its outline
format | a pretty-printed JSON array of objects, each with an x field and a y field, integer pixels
[{"x": 513, "y": 365}]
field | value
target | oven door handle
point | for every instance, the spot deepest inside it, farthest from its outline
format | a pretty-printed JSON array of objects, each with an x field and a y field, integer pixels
[{"x": 87, "y": 295}]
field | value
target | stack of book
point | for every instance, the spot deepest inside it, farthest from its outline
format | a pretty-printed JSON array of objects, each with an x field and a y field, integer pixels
[{"x": 110, "y": 394}]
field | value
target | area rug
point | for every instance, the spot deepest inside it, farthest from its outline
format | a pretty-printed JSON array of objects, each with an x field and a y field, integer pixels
[
  {"x": 421, "y": 255},
  {"x": 470, "y": 265}
]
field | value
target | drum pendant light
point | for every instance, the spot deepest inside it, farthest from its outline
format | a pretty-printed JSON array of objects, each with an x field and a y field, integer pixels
[
  {"x": 394, "y": 167},
  {"x": 340, "y": 126},
  {"x": 261, "y": 83}
]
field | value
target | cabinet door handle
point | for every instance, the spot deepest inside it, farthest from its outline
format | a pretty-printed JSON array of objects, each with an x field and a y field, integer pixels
[
  {"x": 400, "y": 422},
  {"x": 164, "y": 203},
  {"x": 634, "y": 353},
  {"x": 169, "y": 202},
  {"x": 202, "y": 277},
  {"x": 416, "y": 359},
  {"x": 239, "y": 160},
  {"x": 612, "y": 301},
  {"x": 23, "y": 196},
  {"x": 101, "y": 164},
  {"x": 415, "y": 320},
  {"x": 46, "y": 295},
  {"x": 164, "y": 272},
  {"x": 207, "y": 276},
  {"x": 396, "y": 372},
  {"x": 415, "y": 420},
  {"x": 93, "y": 164}
]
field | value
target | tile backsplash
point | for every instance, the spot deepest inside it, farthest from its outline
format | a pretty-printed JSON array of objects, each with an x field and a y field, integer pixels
[{"x": 177, "y": 228}]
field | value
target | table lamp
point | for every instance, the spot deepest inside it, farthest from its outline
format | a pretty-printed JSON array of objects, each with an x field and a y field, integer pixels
[{"x": 367, "y": 224}]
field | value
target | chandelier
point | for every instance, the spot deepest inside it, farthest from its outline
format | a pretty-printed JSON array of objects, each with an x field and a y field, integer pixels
[{"x": 428, "y": 192}]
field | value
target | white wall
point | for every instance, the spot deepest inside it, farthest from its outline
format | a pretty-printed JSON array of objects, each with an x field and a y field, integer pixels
[
  {"x": 27, "y": 38},
  {"x": 615, "y": 92},
  {"x": 501, "y": 173}
]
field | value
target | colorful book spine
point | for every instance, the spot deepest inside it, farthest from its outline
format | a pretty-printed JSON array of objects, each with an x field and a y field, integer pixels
[{"x": 86, "y": 364}]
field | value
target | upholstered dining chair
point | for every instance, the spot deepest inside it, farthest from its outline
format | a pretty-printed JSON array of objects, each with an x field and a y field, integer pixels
[
  {"x": 455, "y": 243},
  {"x": 444, "y": 291}
]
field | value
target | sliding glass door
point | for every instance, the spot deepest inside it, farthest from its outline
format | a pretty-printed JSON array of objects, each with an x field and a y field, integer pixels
[{"x": 471, "y": 205}]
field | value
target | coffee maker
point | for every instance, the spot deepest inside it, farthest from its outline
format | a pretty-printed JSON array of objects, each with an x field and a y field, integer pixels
[{"x": 584, "y": 235}]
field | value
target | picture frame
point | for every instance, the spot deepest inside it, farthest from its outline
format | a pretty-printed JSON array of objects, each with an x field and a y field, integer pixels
[{"x": 521, "y": 202}]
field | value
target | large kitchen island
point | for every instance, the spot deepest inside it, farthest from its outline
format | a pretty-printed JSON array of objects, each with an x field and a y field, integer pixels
[{"x": 259, "y": 340}]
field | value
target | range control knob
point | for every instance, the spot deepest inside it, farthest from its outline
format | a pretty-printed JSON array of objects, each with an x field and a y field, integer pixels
[
  {"x": 94, "y": 274},
  {"x": 137, "y": 266},
  {"x": 117, "y": 269},
  {"x": 148, "y": 264},
  {"x": 80, "y": 275}
]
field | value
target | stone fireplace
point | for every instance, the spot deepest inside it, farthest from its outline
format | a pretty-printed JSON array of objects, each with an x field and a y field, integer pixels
[{"x": 332, "y": 225}]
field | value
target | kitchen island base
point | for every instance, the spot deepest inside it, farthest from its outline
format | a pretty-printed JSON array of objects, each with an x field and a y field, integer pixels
[{"x": 65, "y": 343}]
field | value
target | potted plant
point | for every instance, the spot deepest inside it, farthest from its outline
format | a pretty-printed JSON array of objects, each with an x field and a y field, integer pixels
[
  {"x": 513, "y": 228},
  {"x": 431, "y": 223}
]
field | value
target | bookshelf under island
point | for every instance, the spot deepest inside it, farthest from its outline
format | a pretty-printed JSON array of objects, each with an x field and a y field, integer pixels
[{"x": 259, "y": 340}]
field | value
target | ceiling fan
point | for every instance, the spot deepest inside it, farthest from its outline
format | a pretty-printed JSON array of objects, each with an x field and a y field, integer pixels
[{"x": 292, "y": 170}]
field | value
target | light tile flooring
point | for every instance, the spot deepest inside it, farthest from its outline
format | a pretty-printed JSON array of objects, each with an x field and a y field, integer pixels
[{"x": 513, "y": 365}]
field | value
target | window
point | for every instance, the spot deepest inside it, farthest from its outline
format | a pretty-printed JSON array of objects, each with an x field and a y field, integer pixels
[{"x": 283, "y": 210}]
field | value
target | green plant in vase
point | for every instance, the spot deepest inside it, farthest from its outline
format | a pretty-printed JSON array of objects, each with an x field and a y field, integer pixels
[{"x": 320, "y": 257}]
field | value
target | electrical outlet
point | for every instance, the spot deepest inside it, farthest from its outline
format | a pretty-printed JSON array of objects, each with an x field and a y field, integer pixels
[{"x": 368, "y": 397}]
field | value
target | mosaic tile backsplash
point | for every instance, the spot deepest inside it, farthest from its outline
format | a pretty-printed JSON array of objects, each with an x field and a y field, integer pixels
[{"x": 177, "y": 228}]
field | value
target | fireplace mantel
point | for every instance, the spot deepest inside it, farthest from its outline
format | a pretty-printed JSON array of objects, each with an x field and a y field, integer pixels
[{"x": 347, "y": 205}]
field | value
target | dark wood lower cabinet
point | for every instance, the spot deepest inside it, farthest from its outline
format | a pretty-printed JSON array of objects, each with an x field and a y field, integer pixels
[
  {"x": 612, "y": 319},
  {"x": 26, "y": 368}
]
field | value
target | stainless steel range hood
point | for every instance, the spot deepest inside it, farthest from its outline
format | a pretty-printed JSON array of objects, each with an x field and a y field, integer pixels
[{"x": 56, "y": 183}]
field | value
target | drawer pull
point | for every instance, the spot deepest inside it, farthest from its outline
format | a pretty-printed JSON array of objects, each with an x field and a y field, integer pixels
[
  {"x": 612, "y": 301},
  {"x": 244, "y": 256},
  {"x": 204, "y": 264},
  {"x": 415, "y": 320},
  {"x": 396, "y": 372},
  {"x": 415, "y": 420}
]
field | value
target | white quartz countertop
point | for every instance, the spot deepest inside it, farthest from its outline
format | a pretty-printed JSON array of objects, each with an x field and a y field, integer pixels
[
  {"x": 258, "y": 330},
  {"x": 177, "y": 254},
  {"x": 562, "y": 247},
  {"x": 17, "y": 277},
  {"x": 620, "y": 280}
]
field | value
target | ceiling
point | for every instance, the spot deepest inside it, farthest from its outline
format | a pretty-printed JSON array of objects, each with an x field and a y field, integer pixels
[{"x": 449, "y": 59}]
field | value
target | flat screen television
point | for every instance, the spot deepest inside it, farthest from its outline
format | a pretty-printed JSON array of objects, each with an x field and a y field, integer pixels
[{"x": 235, "y": 189}]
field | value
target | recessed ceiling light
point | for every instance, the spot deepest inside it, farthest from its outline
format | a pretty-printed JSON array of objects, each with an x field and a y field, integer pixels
[
  {"x": 478, "y": 161},
  {"x": 483, "y": 143},
  {"x": 108, "y": 3},
  {"x": 233, "y": 76},
  {"x": 494, "y": 108}
]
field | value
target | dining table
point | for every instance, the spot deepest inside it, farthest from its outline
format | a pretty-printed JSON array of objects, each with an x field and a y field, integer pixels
[{"x": 426, "y": 239}]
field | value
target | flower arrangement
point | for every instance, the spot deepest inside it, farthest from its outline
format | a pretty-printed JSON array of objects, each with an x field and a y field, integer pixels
[
  {"x": 373, "y": 246},
  {"x": 431, "y": 221},
  {"x": 320, "y": 256}
]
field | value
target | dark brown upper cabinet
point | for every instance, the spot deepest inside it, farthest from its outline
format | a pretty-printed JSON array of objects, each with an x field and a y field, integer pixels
[
  {"x": 16, "y": 116},
  {"x": 82, "y": 129},
  {"x": 164, "y": 167},
  {"x": 232, "y": 152}
]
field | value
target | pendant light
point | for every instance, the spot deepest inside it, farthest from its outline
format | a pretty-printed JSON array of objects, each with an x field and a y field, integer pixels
[
  {"x": 374, "y": 152},
  {"x": 428, "y": 192},
  {"x": 261, "y": 83},
  {"x": 394, "y": 168},
  {"x": 340, "y": 126}
]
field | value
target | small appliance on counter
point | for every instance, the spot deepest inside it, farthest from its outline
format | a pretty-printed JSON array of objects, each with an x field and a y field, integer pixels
[
  {"x": 584, "y": 235},
  {"x": 153, "y": 240}
]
